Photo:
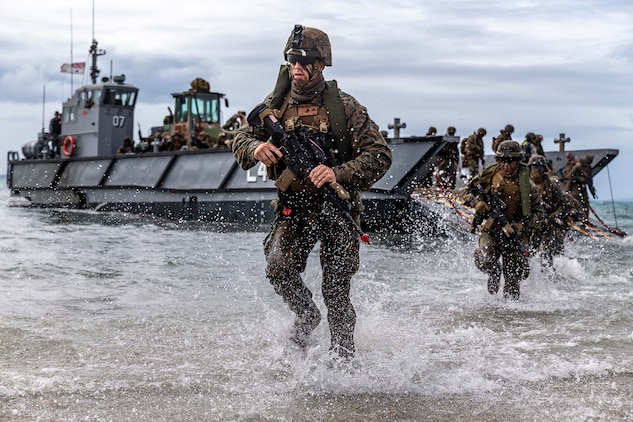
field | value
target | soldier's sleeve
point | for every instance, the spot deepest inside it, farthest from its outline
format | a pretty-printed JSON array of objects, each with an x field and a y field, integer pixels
[
  {"x": 245, "y": 141},
  {"x": 371, "y": 156},
  {"x": 536, "y": 202}
]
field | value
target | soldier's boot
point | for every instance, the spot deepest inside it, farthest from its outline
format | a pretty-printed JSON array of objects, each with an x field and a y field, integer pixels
[
  {"x": 305, "y": 322},
  {"x": 307, "y": 315},
  {"x": 343, "y": 346},
  {"x": 342, "y": 352},
  {"x": 342, "y": 334},
  {"x": 493, "y": 284},
  {"x": 494, "y": 277},
  {"x": 491, "y": 267},
  {"x": 511, "y": 290}
]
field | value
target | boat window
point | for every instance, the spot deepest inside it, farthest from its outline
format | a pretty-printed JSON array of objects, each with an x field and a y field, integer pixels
[
  {"x": 130, "y": 98},
  {"x": 93, "y": 97},
  {"x": 95, "y": 94},
  {"x": 119, "y": 97},
  {"x": 69, "y": 114}
]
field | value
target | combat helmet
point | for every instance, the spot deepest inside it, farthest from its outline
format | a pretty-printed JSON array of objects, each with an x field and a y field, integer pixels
[
  {"x": 509, "y": 128},
  {"x": 481, "y": 132},
  {"x": 310, "y": 43},
  {"x": 509, "y": 149},
  {"x": 537, "y": 160}
]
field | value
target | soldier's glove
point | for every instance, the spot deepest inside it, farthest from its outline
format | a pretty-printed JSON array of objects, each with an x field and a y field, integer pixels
[
  {"x": 482, "y": 208},
  {"x": 510, "y": 229}
]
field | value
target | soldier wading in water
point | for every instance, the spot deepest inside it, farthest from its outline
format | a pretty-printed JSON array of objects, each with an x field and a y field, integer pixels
[
  {"x": 303, "y": 101},
  {"x": 508, "y": 204}
]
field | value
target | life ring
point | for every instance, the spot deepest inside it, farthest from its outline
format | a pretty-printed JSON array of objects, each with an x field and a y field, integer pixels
[{"x": 69, "y": 146}]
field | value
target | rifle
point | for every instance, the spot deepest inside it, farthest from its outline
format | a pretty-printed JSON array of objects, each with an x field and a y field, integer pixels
[
  {"x": 302, "y": 153},
  {"x": 497, "y": 212}
]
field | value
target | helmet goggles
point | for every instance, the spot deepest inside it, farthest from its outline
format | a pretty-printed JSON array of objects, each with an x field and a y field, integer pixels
[
  {"x": 507, "y": 159},
  {"x": 293, "y": 58}
]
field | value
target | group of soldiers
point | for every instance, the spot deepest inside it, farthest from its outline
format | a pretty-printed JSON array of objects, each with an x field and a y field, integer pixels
[
  {"x": 177, "y": 141},
  {"x": 173, "y": 142},
  {"x": 522, "y": 205}
]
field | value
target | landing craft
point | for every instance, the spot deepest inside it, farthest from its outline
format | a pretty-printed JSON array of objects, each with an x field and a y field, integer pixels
[{"x": 197, "y": 184}]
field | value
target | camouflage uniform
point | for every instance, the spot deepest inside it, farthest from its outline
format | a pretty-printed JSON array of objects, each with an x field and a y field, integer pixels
[
  {"x": 303, "y": 216},
  {"x": 175, "y": 142},
  {"x": 505, "y": 134},
  {"x": 522, "y": 203},
  {"x": 578, "y": 178},
  {"x": 127, "y": 147},
  {"x": 472, "y": 149},
  {"x": 549, "y": 233},
  {"x": 201, "y": 141}
]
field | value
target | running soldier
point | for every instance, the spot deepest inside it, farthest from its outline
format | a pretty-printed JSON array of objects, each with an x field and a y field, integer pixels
[
  {"x": 548, "y": 235},
  {"x": 508, "y": 204},
  {"x": 303, "y": 102}
]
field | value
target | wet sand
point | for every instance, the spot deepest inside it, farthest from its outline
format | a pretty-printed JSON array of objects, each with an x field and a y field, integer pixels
[{"x": 603, "y": 398}]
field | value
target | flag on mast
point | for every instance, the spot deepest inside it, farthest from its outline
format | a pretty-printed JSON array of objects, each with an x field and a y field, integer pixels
[{"x": 77, "y": 68}]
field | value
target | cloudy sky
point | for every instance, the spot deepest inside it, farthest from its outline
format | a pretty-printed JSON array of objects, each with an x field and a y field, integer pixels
[{"x": 550, "y": 67}]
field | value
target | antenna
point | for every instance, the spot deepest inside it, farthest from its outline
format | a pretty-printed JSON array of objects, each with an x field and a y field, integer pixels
[
  {"x": 71, "y": 51},
  {"x": 43, "y": 106}
]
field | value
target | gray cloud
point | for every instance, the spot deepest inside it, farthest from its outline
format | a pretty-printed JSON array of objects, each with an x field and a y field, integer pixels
[{"x": 547, "y": 67}]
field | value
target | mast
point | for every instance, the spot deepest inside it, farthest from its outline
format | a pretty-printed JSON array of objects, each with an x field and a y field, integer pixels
[{"x": 94, "y": 51}]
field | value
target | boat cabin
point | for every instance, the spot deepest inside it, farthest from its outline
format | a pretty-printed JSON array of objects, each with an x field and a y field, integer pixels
[{"x": 98, "y": 117}]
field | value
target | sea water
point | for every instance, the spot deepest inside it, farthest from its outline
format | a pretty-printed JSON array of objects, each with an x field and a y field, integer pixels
[{"x": 115, "y": 317}]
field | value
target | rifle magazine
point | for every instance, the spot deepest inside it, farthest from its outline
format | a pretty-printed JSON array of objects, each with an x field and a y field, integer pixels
[
  {"x": 284, "y": 180},
  {"x": 341, "y": 192}
]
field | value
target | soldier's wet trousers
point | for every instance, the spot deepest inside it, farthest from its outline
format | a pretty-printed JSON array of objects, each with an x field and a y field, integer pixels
[
  {"x": 514, "y": 266},
  {"x": 287, "y": 248}
]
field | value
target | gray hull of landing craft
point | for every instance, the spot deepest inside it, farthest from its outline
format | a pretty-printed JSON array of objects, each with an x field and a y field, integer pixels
[{"x": 208, "y": 185}]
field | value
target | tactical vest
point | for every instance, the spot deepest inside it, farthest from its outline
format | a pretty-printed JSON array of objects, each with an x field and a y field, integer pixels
[
  {"x": 332, "y": 110},
  {"x": 524, "y": 185}
]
